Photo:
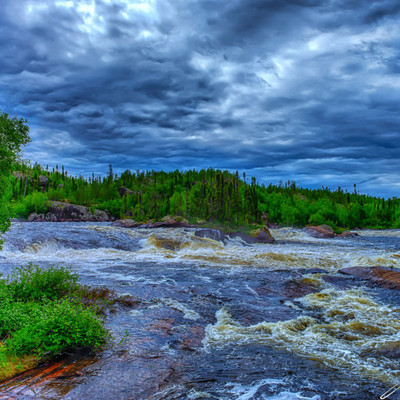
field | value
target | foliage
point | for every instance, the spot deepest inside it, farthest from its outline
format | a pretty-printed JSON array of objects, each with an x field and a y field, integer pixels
[
  {"x": 13, "y": 134},
  {"x": 42, "y": 315},
  {"x": 32, "y": 283}
]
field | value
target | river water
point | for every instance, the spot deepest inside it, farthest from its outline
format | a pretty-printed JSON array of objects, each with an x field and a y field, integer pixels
[{"x": 223, "y": 321}]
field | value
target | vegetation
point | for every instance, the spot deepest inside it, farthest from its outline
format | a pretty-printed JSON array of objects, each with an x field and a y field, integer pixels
[
  {"x": 208, "y": 195},
  {"x": 43, "y": 313},
  {"x": 13, "y": 134}
]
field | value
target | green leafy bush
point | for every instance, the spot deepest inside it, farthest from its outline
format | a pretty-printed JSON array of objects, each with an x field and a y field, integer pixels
[
  {"x": 34, "y": 283},
  {"x": 42, "y": 314}
]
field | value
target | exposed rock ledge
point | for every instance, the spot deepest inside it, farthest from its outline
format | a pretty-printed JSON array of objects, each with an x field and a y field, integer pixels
[
  {"x": 383, "y": 276},
  {"x": 65, "y": 212}
]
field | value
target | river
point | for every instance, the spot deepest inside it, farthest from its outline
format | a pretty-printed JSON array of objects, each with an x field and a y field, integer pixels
[{"x": 221, "y": 321}]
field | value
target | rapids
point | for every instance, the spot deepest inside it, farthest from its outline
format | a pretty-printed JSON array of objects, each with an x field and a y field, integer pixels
[{"x": 215, "y": 321}]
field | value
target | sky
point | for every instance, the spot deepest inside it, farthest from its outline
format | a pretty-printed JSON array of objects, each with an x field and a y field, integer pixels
[{"x": 303, "y": 90}]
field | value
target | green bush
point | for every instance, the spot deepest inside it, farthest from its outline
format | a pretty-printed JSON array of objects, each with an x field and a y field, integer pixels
[
  {"x": 42, "y": 314},
  {"x": 32, "y": 283},
  {"x": 36, "y": 202},
  {"x": 55, "y": 327}
]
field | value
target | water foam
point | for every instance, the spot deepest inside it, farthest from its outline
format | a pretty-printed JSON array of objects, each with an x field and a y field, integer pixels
[{"x": 349, "y": 330}]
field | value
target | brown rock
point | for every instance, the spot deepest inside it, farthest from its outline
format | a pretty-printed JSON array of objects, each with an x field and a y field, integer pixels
[
  {"x": 348, "y": 234},
  {"x": 320, "y": 231},
  {"x": 383, "y": 276}
]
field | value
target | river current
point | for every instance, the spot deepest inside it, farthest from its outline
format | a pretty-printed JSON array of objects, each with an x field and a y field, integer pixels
[{"x": 224, "y": 321}]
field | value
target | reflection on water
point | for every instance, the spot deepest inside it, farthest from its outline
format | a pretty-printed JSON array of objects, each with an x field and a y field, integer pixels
[{"x": 231, "y": 321}]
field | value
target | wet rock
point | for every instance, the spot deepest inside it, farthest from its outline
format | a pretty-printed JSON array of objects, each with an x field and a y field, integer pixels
[
  {"x": 214, "y": 234},
  {"x": 265, "y": 236},
  {"x": 382, "y": 276},
  {"x": 243, "y": 236},
  {"x": 320, "y": 231},
  {"x": 126, "y": 223},
  {"x": 347, "y": 234},
  {"x": 262, "y": 237},
  {"x": 65, "y": 212},
  {"x": 294, "y": 289}
]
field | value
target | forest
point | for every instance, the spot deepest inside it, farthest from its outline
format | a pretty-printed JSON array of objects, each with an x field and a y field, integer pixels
[{"x": 211, "y": 195}]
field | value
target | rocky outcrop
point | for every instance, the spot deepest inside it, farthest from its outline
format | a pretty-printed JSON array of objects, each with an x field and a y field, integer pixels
[
  {"x": 65, "y": 212},
  {"x": 320, "y": 231},
  {"x": 382, "y": 276},
  {"x": 43, "y": 181},
  {"x": 124, "y": 191}
]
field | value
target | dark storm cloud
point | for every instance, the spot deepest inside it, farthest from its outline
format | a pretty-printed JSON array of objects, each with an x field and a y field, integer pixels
[{"x": 298, "y": 89}]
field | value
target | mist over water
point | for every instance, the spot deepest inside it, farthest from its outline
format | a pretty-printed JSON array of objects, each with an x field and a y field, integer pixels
[{"x": 231, "y": 321}]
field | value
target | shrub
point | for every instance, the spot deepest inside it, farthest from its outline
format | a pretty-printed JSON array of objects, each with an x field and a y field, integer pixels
[
  {"x": 32, "y": 283},
  {"x": 38, "y": 321}
]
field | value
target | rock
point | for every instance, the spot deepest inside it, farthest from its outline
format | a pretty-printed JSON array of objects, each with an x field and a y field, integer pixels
[
  {"x": 320, "y": 231},
  {"x": 383, "y": 276},
  {"x": 65, "y": 212},
  {"x": 126, "y": 223},
  {"x": 167, "y": 224},
  {"x": 214, "y": 234},
  {"x": 264, "y": 237},
  {"x": 124, "y": 191},
  {"x": 347, "y": 234},
  {"x": 43, "y": 180},
  {"x": 274, "y": 225},
  {"x": 243, "y": 236}
]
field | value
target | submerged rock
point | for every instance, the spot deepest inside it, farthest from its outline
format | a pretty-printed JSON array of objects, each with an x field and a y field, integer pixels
[
  {"x": 214, "y": 234},
  {"x": 65, "y": 212},
  {"x": 383, "y": 276}
]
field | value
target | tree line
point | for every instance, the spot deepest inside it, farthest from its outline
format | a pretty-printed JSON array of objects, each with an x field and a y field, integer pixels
[{"x": 206, "y": 194}]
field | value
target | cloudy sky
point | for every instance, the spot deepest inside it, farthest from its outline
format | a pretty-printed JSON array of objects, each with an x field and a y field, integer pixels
[{"x": 306, "y": 90}]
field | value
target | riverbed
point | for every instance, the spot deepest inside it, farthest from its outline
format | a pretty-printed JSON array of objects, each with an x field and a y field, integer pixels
[{"x": 222, "y": 321}]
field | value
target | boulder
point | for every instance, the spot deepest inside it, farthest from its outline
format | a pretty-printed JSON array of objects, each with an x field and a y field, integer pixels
[
  {"x": 382, "y": 276},
  {"x": 264, "y": 237},
  {"x": 126, "y": 223},
  {"x": 243, "y": 236},
  {"x": 347, "y": 234},
  {"x": 320, "y": 231}
]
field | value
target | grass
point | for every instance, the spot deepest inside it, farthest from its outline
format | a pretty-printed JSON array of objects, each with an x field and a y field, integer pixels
[{"x": 44, "y": 313}]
